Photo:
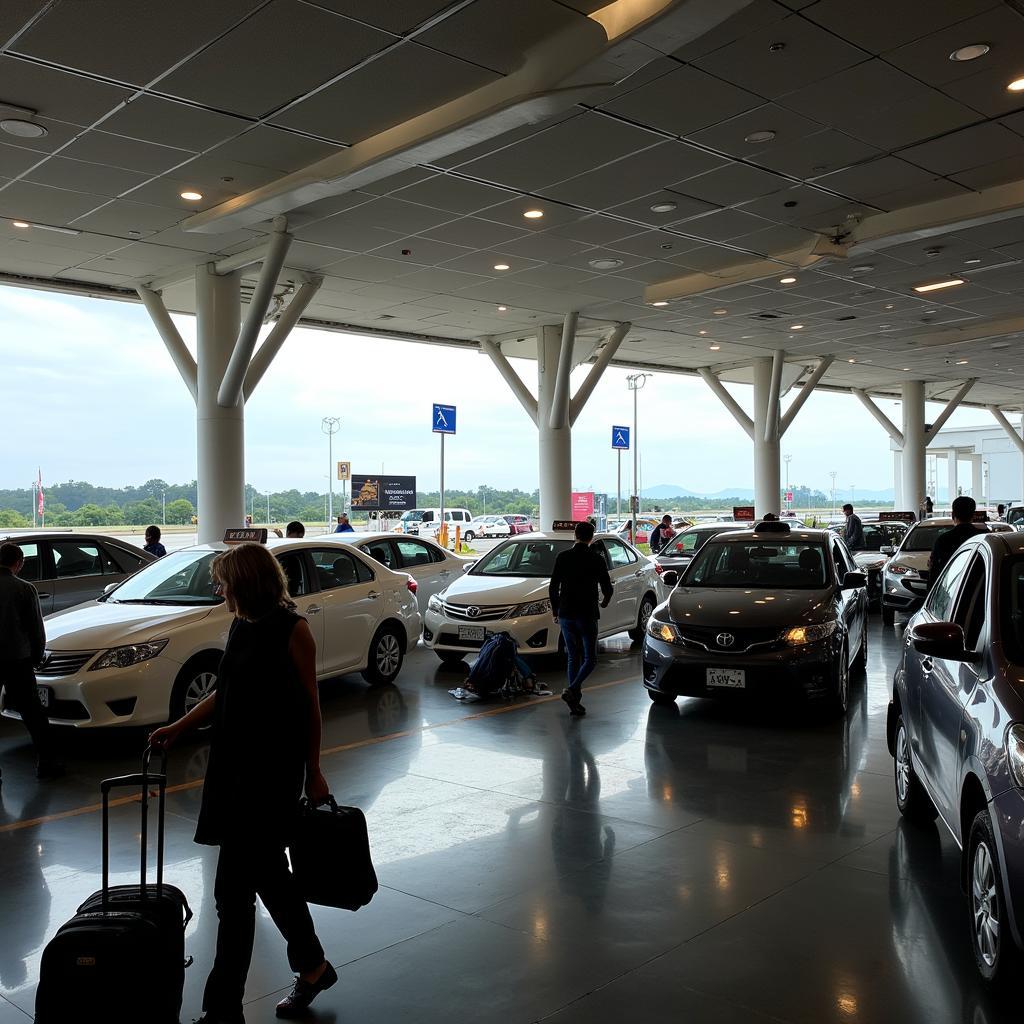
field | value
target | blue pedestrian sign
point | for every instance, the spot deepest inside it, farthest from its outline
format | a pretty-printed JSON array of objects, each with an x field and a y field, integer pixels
[
  {"x": 620, "y": 438},
  {"x": 444, "y": 419}
]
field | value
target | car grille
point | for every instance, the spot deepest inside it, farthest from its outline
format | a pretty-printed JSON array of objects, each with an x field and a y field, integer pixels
[
  {"x": 484, "y": 613},
  {"x": 743, "y": 639},
  {"x": 64, "y": 663}
]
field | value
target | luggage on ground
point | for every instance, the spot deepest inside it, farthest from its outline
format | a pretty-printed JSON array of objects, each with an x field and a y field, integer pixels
[
  {"x": 494, "y": 666},
  {"x": 121, "y": 958},
  {"x": 330, "y": 856}
]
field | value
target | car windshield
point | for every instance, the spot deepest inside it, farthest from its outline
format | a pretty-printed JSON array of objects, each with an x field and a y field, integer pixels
[
  {"x": 534, "y": 558},
  {"x": 182, "y": 577},
  {"x": 415, "y": 516},
  {"x": 687, "y": 542},
  {"x": 923, "y": 538},
  {"x": 763, "y": 563}
]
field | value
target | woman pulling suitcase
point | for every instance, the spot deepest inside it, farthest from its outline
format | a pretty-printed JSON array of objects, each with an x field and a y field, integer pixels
[{"x": 266, "y": 741}]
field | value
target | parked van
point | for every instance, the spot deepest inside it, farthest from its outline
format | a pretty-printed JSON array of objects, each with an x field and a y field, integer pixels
[{"x": 427, "y": 521}]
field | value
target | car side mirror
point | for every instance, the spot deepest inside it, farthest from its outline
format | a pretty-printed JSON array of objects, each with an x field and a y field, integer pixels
[
  {"x": 886, "y": 549},
  {"x": 941, "y": 640},
  {"x": 854, "y": 580},
  {"x": 670, "y": 578},
  {"x": 109, "y": 587}
]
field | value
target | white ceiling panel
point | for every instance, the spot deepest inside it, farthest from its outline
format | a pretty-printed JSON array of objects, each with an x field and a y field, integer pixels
[
  {"x": 170, "y": 123},
  {"x": 116, "y": 151},
  {"x": 98, "y": 179},
  {"x": 970, "y": 147},
  {"x": 24, "y": 200},
  {"x": 389, "y": 15},
  {"x": 56, "y": 94}
]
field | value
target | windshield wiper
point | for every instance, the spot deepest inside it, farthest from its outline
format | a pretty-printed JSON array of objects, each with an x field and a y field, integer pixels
[{"x": 163, "y": 601}]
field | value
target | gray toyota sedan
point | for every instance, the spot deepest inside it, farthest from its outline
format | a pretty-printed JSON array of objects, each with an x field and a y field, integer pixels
[
  {"x": 956, "y": 733},
  {"x": 768, "y": 611}
]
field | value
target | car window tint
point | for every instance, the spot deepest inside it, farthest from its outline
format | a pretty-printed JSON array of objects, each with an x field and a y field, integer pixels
[
  {"x": 940, "y": 600},
  {"x": 970, "y": 609},
  {"x": 413, "y": 553},
  {"x": 128, "y": 561},
  {"x": 73, "y": 559},
  {"x": 618, "y": 554},
  {"x": 294, "y": 566},
  {"x": 381, "y": 551},
  {"x": 335, "y": 568},
  {"x": 31, "y": 570},
  {"x": 843, "y": 564}
]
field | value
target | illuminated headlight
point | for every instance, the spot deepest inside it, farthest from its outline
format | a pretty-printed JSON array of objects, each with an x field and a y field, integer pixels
[
  {"x": 131, "y": 654},
  {"x": 435, "y": 604},
  {"x": 664, "y": 631},
  {"x": 533, "y": 608},
  {"x": 902, "y": 570},
  {"x": 1015, "y": 753},
  {"x": 799, "y": 635}
]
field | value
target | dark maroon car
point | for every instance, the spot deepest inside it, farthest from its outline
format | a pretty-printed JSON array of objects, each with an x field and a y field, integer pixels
[{"x": 519, "y": 524}]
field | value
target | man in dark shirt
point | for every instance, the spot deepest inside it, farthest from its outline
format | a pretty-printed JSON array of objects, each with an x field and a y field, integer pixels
[
  {"x": 24, "y": 642},
  {"x": 853, "y": 532},
  {"x": 344, "y": 526},
  {"x": 661, "y": 534},
  {"x": 575, "y": 580},
  {"x": 947, "y": 543},
  {"x": 153, "y": 545}
]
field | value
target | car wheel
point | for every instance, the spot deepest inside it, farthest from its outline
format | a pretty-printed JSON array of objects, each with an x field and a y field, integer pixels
[
  {"x": 911, "y": 799},
  {"x": 888, "y": 616},
  {"x": 450, "y": 657},
  {"x": 662, "y": 700},
  {"x": 470, "y": 535},
  {"x": 384, "y": 661},
  {"x": 195, "y": 682},
  {"x": 646, "y": 611},
  {"x": 839, "y": 700},
  {"x": 995, "y": 953}
]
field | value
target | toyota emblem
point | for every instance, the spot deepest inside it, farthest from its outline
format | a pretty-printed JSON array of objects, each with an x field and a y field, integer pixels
[
  {"x": 725, "y": 639},
  {"x": 472, "y": 611}
]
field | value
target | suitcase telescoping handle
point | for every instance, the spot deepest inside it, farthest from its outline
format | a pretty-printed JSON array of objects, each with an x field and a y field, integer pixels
[{"x": 141, "y": 780}]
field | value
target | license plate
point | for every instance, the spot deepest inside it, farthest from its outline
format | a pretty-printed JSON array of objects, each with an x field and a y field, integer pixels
[
  {"x": 44, "y": 695},
  {"x": 472, "y": 632},
  {"x": 733, "y": 678}
]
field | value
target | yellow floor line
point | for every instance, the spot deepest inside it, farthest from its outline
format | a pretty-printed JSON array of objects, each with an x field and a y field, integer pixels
[{"x": 370, "y": 741}]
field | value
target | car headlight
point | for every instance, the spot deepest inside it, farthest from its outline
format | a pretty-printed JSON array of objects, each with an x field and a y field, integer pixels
[
  {"x": 1015, "y": 753},
  {"x": 901, "y": 570},
  {"x": 800, "y": 635},
  {"x": 130, "y": 654},
  {"x": 664, "y": 631},
  {"x": 532, "y": 608},
  {"x": 435, "y": 604}
]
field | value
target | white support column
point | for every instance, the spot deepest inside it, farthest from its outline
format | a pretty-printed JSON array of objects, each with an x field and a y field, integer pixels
[
  {"x": 914, "y": 444},
  {"x": 220, "y": 430},
  {"x": 766, "y": 440},
  {"x": 897, "y": 479},
  {"x": 952, "y": 474},
  {"x": 977, "y": 478},
  {"x": 172, "y": 339},
  {"x": 555, "y": 443},
  {"x": 560, "y": 402}
]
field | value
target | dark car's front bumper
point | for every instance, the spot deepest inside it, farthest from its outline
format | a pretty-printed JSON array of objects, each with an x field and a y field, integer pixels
[
  {"x": 904, "y": 593},
  {"x": 804, "y": 671}
]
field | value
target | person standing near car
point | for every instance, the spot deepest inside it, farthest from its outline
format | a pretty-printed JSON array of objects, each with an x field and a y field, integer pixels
[
  {"x": 344, "y": 526},
  {"x": 945, "y": 546},
  {"x": 578, "y": 575},
  {"x": 23, "y": 647},
  {"x": 853, "y": 532},
  {"x": 661, "y": 534},
  {"x": 265, "y": 744},
  {"x": 153, "y": 545}
]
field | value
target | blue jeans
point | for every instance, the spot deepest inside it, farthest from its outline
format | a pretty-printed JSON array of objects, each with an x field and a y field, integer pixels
[{"x": 580, "y": 636}]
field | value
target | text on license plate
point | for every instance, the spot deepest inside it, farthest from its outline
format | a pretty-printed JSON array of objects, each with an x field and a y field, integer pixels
[
  {"x": 472, "y": 632},
  {"x": 44, "y": 695},
  {"x": 731, "y": 677}
]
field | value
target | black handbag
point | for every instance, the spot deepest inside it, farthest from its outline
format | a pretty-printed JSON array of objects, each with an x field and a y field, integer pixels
[{"x": 330, "y": 856}]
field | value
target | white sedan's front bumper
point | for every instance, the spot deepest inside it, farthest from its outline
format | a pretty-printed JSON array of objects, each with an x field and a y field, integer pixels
[{"x": 535, "y": 634}]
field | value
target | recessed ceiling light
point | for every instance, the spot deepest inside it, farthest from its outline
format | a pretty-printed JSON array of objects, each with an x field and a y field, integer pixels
[
  {"x": 787, "y": 280},
  {"x": 890, "y": 306},
  {"x": 22, "y": 129},
  {"x": 906, "y": 369},
  {"x": 605, "y": 264},
  {"x": 21, "y": 223},
  {"x": 796, "y": 327},
  {"x": 192, "y": 197},
  {"x": 714, "y": 348},
  {"x": 501, "y": 266},
  {"x": 767, "y": 135},
  {"x": 1017, "y": 85},
  {"x": 503, "y": 309},
  {"x": 972, "y": 51},
  {"x": 851, "y": 360},
  {"x": 720, "y": 312},
  {"x": 931, "y": 311},
  {"x": 935, "y": 286},
  {"x": 134, "y": 233},
  {"x": 961, "y": 362},
  {"x": 666, "y": 207},
  {"x": 660, "y": 302},
  {"x": 935, "y": 250},
  {"x": 972, "y": 262},
  {"x": 533, "y": 214},
  {"x": 702, "y": 332}
]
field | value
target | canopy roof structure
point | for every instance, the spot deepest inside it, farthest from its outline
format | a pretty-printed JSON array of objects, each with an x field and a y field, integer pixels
[{"x": 686, "y": 158}]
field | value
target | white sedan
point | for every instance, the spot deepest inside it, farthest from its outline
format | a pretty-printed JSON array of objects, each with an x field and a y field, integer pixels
[
  {"x": 488, "y": 526},
  {"x": 150, "y": 648},
  {"x": 507, "y": 591},
  {"x": 429, "y": 564}
]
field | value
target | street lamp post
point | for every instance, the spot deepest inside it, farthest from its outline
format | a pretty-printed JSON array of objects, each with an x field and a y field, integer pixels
[
  {"x": 833, "y": 474},
  {"x": 635, "y": 381},
  {"x": 330, "y": 425},
  {"x": 163, "y": 504},
  {"x": 853, "y": 495},
  {"x": 787, "y": 459},
  {"x": 268, "y": 508}
]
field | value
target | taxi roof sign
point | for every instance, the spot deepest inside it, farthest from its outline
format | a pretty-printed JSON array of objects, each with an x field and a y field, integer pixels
[
  {"x": 897, "y": 517},
  {"x": 559, "y": 525},
  {"x": 246, "y": 535}
]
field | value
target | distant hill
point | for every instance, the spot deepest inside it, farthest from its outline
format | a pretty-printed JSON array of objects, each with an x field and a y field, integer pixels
[{"x": 669, "y": 491}]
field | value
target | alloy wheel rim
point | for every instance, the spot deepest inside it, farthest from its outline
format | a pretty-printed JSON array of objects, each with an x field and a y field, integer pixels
[
  {"x": 646, "y": 611},
  {"x": 201, "y": 686},
  {"x": 387, "y": 654},
  {"x": 985, "y": 905},
  {"x": 902, "y": 765}
]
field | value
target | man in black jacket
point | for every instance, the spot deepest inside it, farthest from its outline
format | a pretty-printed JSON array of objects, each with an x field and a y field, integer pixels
[
  {"x": 947, "y": 543},
  {"x": 578, "y": 575},
  {"x": 24, "y": 641}
]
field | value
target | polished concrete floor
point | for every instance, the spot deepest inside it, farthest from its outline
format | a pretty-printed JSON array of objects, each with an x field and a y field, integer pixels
[{"x": 710, "y": 863}]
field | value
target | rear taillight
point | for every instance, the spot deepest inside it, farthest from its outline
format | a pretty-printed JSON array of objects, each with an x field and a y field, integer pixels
[
  {"x": 659, "y": 568},
  {"x": 412, "y": 585}
]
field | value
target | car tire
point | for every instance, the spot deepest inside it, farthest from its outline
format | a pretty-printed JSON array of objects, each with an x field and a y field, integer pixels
[
  {"x": 888, "y": 616},
  {"x": 912, "y": 801},
  {"x": 995, "y": 953},
  {"x": 643, "y": 615},
  {"x": 469, "y": 535},
  {"x": 839, "y": 698},
  {"x": 662, "y": 700},
  {"x": 196, "y": 681},
  {"x": 450, "y": 658},
  {"x": 384, "y": 660}
]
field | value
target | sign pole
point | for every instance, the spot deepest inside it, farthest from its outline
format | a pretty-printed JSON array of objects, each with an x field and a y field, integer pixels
[
  {"x": 618, "y": 488},
  {"x": 442, "y": 482}
]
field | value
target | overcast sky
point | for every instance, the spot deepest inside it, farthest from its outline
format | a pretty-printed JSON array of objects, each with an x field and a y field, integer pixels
[{"x": 91, "y": 394}]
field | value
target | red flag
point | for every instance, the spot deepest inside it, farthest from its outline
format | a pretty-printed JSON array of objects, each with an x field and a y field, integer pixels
[{"x": 39, "y": 491}]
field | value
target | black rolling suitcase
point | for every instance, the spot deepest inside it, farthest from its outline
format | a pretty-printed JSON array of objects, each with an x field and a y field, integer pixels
[{"x": 121, "y": 958}]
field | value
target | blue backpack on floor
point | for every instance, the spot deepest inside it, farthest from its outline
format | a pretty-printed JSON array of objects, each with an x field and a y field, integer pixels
[{"x": 494, "y": 665}]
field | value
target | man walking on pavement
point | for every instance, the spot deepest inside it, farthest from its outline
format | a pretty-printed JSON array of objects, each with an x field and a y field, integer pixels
[
  {"x": 661, "y": 534},
  {"x": 945, "y": 546},
  {"x": 577, "y": 576},
  {"x": 24, "y": 642},
  {"x": 853, "y": 532}
]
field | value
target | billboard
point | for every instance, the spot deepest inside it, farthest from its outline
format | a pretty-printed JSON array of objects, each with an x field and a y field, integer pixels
[
  {"x": 582, "y": 504},
  {"x": 743, "y": 513},
  {"x": 383, "y": 493}
]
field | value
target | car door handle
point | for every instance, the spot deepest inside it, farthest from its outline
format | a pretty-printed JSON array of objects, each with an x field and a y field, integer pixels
[
  {"x": 373, "y": 595},
  {"x": 639, "y": 573},
  {"x": 44, "y": 595},
  {"x": 314, "y": 609}
]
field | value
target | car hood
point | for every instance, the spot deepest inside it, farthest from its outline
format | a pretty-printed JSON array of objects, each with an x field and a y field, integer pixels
[
  {"x": 713, "y": 606},
  {"x": 99, "y": 624},
  {"x": 471, "y": 589},
  {"x": 869, "y": 559},
  {"x": 913, "y": 559}
]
